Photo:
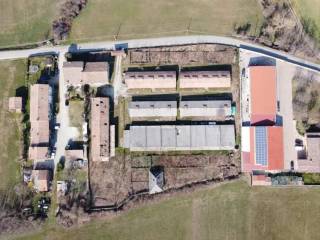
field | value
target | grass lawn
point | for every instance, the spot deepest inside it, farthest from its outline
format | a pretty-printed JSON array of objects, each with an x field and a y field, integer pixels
[
  {"x": 103, "y": 19},
  {"x": 25, "y": 21},
  {"x": 76, "y": 108},
  {"x": 12, "y": 76},
  {"x": 231, "y": 211},
  {"x": 309, "y": 9}
]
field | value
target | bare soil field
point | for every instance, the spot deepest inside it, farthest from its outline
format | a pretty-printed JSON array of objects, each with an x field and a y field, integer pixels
[
  {"x": 113, "y": 181},
  {"x": 202, "y": 54}
]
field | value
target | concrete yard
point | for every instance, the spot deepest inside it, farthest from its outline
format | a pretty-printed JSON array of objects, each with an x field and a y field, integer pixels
[{"x": 285, "y": 74}]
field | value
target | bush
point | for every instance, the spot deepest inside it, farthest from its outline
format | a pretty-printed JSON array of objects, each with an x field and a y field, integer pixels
[{"x": 311, "y": 178}]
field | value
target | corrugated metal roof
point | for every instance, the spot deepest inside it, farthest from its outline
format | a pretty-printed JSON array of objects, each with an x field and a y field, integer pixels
[{"x": 180, "y": 137}]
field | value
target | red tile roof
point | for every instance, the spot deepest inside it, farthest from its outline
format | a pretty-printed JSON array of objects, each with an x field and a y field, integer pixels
[
  {"x": 263, "y": 93},
  {"x": 275, "y": 151}
]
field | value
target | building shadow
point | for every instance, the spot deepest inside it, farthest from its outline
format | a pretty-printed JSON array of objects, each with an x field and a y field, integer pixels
[{"x": 262, "y": 61}]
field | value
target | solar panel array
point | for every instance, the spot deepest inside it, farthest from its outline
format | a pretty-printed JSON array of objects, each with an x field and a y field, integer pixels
[{"x": 261, "y": 146}]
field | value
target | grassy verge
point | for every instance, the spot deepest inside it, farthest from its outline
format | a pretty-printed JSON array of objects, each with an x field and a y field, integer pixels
[
  {"x": 230, "y": 211},
  {"x": 12, "y": 78},
  {"x": 108, "y": 19},
  {"x": 308, "y": 11}
]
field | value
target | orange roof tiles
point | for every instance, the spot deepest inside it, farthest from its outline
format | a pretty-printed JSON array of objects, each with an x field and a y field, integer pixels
[
  {"x": 275, "y": 148},
  {"x": 263, "y": 93},
  {"x": 100, "y": 143},
  {"x": 275, "y": 151}
]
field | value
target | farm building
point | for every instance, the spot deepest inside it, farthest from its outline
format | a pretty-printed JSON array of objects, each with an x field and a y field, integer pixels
[
  {"x": 15, "y": 104},
  {"x": 39, "y": 102},
  {"x": 151, "y": 80},
  {"x": 92, "y": 73},
  {"x": 156, "y": 179},
  {"x": 38, "y": 153},
  {"x": 39, "y": 133},
  {"x": 96, "y": 73},
  {"x": 217, "y": 110},
  {"x": 72, "y": 73},
  {"x": 262, "y": 148},
  {"x": 39, "y": 114},
  {"x": 312, "y": 162},
  {"x": 41, "y": 180},
  {"x": 102, "y": 142},
  {"x": 263, "y": 95},
  {"x": 205, "y": 79},
  {"x": 153, "y": 109},
  {"x": 180, "y": 137}
]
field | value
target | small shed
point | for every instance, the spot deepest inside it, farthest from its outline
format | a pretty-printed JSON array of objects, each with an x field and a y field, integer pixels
[
  {"x": 74, "y": 154},
  {"x": 156, "y": 179},
  {"x": 41, "y": 180},
  {"x": 15, "y": 104}
]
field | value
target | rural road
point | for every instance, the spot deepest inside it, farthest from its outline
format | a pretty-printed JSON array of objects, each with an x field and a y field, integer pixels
[{"x": 164, "y": 41}]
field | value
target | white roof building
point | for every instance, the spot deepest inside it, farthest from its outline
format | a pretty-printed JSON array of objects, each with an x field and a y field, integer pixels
[
  {"x": 153, "y": 109},
  {"x": 151, "y": 80},
  {"x": 217, "y": 110},
  {"x": 156, "y": 180},
  {"x": 205, "y": 79}
]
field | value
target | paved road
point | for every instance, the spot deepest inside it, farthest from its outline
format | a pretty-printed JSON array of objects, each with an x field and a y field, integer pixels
[
  {"x": 164, "y": 41},
  {"x": 65, "y": 133}
]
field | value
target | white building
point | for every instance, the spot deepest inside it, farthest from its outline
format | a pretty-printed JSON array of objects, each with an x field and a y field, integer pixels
[
  {"x": 153, "y": 109},
  {"x": 215, "y": 110},
  {"x": 205, "y": 79}
]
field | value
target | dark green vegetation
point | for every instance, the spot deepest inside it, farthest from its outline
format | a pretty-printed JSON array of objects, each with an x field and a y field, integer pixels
[
  {"x": 230, "y": 211},
  {"x": 311, "y": 178}
]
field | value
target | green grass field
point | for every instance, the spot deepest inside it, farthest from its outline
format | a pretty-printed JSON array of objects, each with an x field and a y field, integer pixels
[
  {"x": 104, "y": 19},
  {"x": 11, "y": 77},
  {"x": 231, "y": 211},
  {"x": 25, "y": 21},
  {"x": 309, "y": 10}
]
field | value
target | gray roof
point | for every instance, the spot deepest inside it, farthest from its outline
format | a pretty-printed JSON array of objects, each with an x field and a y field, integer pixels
[{"x": 180, "y": 137}]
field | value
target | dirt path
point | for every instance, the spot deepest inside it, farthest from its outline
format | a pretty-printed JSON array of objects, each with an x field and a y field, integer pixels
[{"x": 196, "y": 219}]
